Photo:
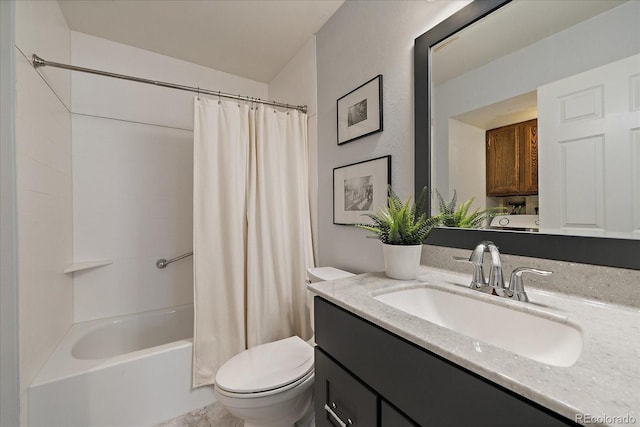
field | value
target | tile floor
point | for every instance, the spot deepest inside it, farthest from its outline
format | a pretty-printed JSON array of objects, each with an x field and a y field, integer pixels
[{"x": 214, "y": 415}]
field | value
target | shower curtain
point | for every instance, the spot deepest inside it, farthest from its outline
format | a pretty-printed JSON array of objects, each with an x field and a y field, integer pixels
[{"x": 252, "y": 230}]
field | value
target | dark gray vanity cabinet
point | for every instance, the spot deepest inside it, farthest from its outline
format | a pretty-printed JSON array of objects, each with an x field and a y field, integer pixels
[
  {"x": 377, "y": 379},
  {"x": 391, "y": 417},
  {"x": 345, "y": 398},
  {"x": 341, "y": 397}
]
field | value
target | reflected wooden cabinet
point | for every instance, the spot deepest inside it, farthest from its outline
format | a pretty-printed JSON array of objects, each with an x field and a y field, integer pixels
[{"x": 512, "y": 159}]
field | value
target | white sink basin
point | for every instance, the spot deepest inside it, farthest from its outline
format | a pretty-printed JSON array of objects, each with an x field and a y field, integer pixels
[{"x": 529, "y": 335}]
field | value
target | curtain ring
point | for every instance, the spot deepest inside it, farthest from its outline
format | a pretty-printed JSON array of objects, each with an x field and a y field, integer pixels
[
  {"x": 219, "y": 100},
  {"x": 198, "y": 93}
]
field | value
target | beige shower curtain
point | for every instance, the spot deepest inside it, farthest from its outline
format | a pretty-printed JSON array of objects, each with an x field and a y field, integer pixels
[{"x": 252, "y": 231}]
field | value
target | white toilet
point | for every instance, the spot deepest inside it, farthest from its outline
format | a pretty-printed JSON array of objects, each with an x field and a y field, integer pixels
[{"x": 271, "y": 385}]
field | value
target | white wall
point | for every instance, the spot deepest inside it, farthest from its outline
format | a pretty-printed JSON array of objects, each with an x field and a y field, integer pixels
[
  {"x": 9, "y": 360},
  {"x": 132, "y": 175},
  {"x": 467, "y": 153},
  {"x": 605, "y": 38},
  {"x": 43, "y": 144},
  {"x": 361, "y": 40},
  {"x": 296, "y": 84}
]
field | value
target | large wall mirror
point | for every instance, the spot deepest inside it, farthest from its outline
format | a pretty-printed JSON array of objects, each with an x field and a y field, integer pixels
[{"x": 533, "y": 108}]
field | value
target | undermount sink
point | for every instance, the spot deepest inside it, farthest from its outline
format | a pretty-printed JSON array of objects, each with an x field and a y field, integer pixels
[{"x": 525, "y": 334}]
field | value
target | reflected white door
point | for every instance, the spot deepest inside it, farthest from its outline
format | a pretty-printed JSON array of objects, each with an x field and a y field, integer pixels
[{"x": 589, "y": 151}]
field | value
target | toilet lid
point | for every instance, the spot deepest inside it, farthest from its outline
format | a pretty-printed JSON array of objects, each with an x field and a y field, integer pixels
[{"x": 266, "y": 367}]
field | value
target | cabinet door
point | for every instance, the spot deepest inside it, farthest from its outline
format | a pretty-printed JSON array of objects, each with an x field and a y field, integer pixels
[
  {"x": 391, "y": 417},
  {"x": 529, "y": 163},
  {"x": 340, "y": 399},
  {"x": 503, "y": 161}
]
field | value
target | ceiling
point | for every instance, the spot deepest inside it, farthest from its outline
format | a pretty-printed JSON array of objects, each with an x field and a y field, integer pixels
[{"x": 250, "y": 38}]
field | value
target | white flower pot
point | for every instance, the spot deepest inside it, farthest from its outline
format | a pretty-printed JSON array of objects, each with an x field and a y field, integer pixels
[{"x": 401, "y": 261}]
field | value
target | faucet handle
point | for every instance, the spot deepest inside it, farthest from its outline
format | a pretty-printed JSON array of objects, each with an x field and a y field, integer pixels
[
  {"x": 478, "y": 281},
  {"x": 516, "y": 285}
]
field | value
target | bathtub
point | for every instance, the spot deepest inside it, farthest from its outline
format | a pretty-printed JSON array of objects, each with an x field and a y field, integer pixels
[{"x": 128, "y": 371}]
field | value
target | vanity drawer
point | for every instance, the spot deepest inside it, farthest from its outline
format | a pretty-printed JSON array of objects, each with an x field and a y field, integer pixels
[
  {"x": 340, "y": 397},
  {"x": 390, "y": 417}
]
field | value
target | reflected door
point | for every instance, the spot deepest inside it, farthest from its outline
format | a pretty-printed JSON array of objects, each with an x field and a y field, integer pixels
[{"x": 589, "y": 151}]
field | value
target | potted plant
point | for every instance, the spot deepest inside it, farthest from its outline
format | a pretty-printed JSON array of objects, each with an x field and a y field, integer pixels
[
  {"x": 402, "y": 227},
  {"x": 460, "y": 216}
]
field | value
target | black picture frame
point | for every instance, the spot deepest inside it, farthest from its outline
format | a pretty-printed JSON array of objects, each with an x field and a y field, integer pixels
[
  {"x": 359, "y": 112},
  {"x": 360, "y": 188}
]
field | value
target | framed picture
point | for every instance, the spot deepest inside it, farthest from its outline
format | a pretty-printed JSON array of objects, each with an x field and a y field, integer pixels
[
  {"x": 360, "y": 111},
  {"x": 360, "y": 188}
]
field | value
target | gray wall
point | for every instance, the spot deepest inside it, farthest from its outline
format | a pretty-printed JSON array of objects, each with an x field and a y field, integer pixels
[{"x": 364, "y": 39}]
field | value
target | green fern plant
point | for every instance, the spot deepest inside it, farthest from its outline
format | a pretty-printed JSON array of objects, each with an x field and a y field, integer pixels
[
  {"x": 402, "y": 223},
  {"x": 460, "y": 217}
]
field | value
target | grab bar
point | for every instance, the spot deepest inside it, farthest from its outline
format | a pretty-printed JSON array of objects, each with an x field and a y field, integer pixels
[{"x": 162, "y": 263}]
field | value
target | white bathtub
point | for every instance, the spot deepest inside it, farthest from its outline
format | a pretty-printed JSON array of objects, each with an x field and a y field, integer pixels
[{"x": 128, "y": 371}]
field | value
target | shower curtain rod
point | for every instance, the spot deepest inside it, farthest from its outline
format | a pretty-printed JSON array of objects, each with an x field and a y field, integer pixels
[{"x": 40, "y": 62}]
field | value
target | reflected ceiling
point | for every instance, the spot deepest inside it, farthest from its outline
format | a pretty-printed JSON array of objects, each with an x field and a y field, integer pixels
[{"x": 513, "y": 29}]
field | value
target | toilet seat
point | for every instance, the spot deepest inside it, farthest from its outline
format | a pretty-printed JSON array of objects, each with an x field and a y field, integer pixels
[
  {"x": 266, "y": 369},
  {"x": 282, "y": 392}
]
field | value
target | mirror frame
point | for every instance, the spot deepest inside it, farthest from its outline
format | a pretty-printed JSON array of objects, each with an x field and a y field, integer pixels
[{"x": 612, "y": 252}]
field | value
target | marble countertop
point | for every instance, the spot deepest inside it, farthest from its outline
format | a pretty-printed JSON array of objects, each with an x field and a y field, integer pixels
[{"x": 601, "y": 388}]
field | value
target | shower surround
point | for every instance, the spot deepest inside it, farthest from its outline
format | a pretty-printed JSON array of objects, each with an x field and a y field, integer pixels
[{"x": 104, "y": 173}]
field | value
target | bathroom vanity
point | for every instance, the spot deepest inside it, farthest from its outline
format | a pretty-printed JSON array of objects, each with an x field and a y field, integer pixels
[
  {"x": 377, "y": 365},
  {"x": 359, "y": 364}
]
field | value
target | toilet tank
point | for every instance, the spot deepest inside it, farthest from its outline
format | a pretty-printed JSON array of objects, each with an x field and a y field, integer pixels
[{"x": 320, "y": 274}]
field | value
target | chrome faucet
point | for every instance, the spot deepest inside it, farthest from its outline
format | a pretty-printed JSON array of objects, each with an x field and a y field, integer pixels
[
  {"x": 496, "y": 279},
  {"x": 476, "y": 260},
  {"x": 516, "y": 286},
  {"x": 495, "y": 284}
]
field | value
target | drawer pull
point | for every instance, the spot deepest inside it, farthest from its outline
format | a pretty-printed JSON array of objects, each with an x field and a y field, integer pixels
[{"x": 336, "y": 417}]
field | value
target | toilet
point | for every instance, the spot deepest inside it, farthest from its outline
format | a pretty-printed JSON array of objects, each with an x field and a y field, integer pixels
[{"x": 271, "y": 385}]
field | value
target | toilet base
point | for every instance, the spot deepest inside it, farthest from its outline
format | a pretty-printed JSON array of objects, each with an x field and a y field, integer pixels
[
  {"x": 291, "y": 408},
  {"x": 309, "y": 420},
  {"x": 297, "y": 412}
]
